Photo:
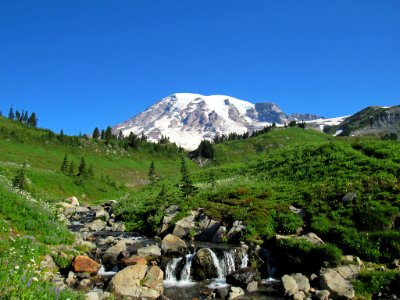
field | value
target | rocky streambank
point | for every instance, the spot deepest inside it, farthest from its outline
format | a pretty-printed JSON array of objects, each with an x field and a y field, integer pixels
[{"x": 194, "y": 257}]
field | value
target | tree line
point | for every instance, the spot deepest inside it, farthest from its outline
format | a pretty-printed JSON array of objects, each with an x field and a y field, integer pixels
[{"x": 23, "y": 117}]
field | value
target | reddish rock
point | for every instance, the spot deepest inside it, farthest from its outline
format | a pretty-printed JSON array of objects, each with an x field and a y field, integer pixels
[
  {"x": 84, "y": 264},
  {"x": 133, "y": 260}
]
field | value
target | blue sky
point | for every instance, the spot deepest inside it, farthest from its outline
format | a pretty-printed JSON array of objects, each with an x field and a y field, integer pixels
[{"x": 81, "y": 64}]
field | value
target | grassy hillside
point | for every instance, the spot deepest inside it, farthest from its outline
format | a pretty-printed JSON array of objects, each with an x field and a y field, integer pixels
[
  {"x": 117, "y": 170},
  {"x": 251, "y": 148},
  {"x": 348, "y": 188}
]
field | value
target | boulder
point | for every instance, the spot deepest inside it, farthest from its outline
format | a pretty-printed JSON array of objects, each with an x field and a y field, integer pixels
[
  {"x": 172, "y": 243},
  {"x": 118, "y": 226},
  {"x": 221, "y": 293},
  {"x": 84, "y": 264},
  {"x": 206, "y": 228},
  {"x": 235, "y": 292},
  {"x": 219, "y": 235},
  {"x": 310, "y": 237},
  {"x": 252, "y": 287},
  {"x": 234, "y": 233},
  {"x": 302, "y": 282},
  {"x": 299, "y": 295},
  {"x": 101, "y": 213},
  {"x": 71, "y": 279},
  {"x": 322, "y": 295},
  {"x": 289, "y": 285},
  {"x": 169, "y": 214},
  {"x": 339, "y": 287},
  {"x": 92, "y": 296},
  {"x": 183, "y": 226},
  {"x": 203, "y": 266},
  {"x": 110, "y": 257},
  {"x": 150, "y": 252},
  {"x": 133, "y": 260},
  {"x": 88, "y": 245},
  {"x": 349, "y": 198},
  {"x": 298, "y": 211},
  {"x": 73, "y": 201},
  {"x": 138, "y": 281},
  {"x": 96, "y": 225},
  {"x": 243, "y": 277}
]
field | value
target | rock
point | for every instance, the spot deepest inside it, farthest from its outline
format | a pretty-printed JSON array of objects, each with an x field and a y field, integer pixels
[
  {"x": 219, "y": 235},
  {"x": 289, "y": 285},
  {"x": 85, "y": 285},
  {"x": 71, "y": 279},
  {"x": 243, "y": 277},
  {"x": 349, "y": 272},
  {"x": 63, "y": 219},
  {"x": 118, "y": 226},
  {"x": 172, "y": 243},
  {"x": 235, "y": 292},
  {"x": 183, "y": 226},
  {"x": 169, "y": 214},
  {"x": 108, "y": 240},
  {"x": 299, "y": 295},
  {"x": 73, "y": 201},
  {"x": 101, "y": 213},
  {"x": 203, "y": 265},
  {"x": 207, "y": 228},
  {"x": 138, "y": 282},
  {"x": 85, "y": 264},
  {"x": 234, "y": 233},
  {"x": 92, "y": 296},
  {"x": 302, "y": 282},
  {"x": 298, "y": 211},
  {"x": 110, "y": 257},
  {"x": 221, "y": 293},
  {"x": 96, "y": 225},
  {"x": 322, "y": 295},
  {"x": 252, "y": 287},
  {"x": 336, "y": 284},
  {"x": 150, "y": 252},
  {"x": 349, "y": 198},
  {"x": 133, "y": 260},
  {"x": 88, "y": 245},
  {"x": 312, "y": 238}
]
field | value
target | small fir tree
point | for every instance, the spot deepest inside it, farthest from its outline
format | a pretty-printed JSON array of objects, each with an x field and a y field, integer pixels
[
  {"x": 64, "y": 165},
  {"x": 11, "y": 115},
  {"x": 20, "y": 181},
  {"x": 186, "y": 186},
  {"x": 82, "y": 171},
  {"x": 32, "y": 121},
  {"x": 17, "y": 115},
  {"x": 25, "y": 119},
  {"x": 71, "y": 168},
  {"x": 96, "y": 133},
  {"x": 152, "y": 173}
]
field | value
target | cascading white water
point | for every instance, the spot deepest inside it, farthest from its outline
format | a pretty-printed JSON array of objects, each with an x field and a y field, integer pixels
[
  {"x": 245, "y": 261},
  {"x": 217, "y": 264},
  {"x": 229, "y": 258},
  {"x": 185, "y": 274},
  {"x": 170, "y": 270}
]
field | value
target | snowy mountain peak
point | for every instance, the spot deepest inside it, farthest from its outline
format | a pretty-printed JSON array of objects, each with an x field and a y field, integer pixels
[{"x": 189, "y": 118}]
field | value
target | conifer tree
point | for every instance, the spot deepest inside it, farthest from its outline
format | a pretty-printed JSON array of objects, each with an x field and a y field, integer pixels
[
  {"x": 17, "y": 115},
  {"x": 61, "y": 136},
  {"x": 120, "y": 135},
  {"x": 64, "y": 165},
  {"x": 20, "y": 181},
  {"x": 82, "y": 171},
  {"x": 103, "y": 134},
  {"x": 25, "y": 118},
  {"x": 32, "y": 121},
  {"x": 96, "y": 133},
  {"x": 108, "y": 135},
  {"x": 11, "y": 115},
  {"x": 152, "y": 173},
  {"x": 186, "y": 186},
  {"x": 71, "y": 168}
]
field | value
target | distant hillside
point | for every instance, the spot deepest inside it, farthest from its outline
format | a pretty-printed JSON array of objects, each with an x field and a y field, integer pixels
[{"x": 372, "y": 121}]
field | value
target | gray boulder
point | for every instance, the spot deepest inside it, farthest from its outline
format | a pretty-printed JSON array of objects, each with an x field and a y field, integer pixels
[
  {"x": 110, "y": 257},
  {"x": 289, "y": 285},
  {"x": 235, "y": 292},
  {"x": 219, "y": 235},
  {"x": 338, "y": 286},
  {"x": 96, "y": 225},
  {"x": 203, "y": 265},
  {"x": 302, "y": 281},
  {"x": 172, "y": 243},
  {"x": 151, "y": 252}
]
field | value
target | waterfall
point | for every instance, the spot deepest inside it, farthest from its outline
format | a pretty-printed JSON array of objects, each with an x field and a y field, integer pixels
[
  {"x": 217, "y": 264},
  {"x": 185, "y": 274},
  {"x": 229, "y": 258},
  {"x": 170, "y": 271},
  {"x": 245, "y": 261}
]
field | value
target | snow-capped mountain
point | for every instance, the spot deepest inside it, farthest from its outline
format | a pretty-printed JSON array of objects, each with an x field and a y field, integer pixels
[{"x": 186, "y": 118}]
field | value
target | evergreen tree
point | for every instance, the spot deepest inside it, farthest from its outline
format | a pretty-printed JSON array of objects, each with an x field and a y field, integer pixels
[
  {"x": 108, "y": 135},
  {"x": 11, "y": 115},
  {"x": 96, "y": 133},
  {"x": 64, "y": 166},
  {"x": 61, "y": 136},
  {"x": 25, "y": 118},
  {"x": 82, "y": 171},
  {"x": 90, "y": 171},
  {"x": 17, "y": 115},
  {"x": 71, "y": 168},
  {"x": 152, "y": 173},
  {"x": 186, "y": 186},
  {"x": 32, "y": 121},
  {"x": 120, "y": 135},
  {"x": 20, "y": 181},
  {"x": 103, "y": 134}
]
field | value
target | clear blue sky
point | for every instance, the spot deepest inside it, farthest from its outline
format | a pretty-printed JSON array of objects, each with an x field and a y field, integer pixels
[{"x": 81, "y": 64}]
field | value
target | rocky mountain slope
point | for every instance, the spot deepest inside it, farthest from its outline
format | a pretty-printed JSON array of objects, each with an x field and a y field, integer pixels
[{"x": 186, "y": 118}]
